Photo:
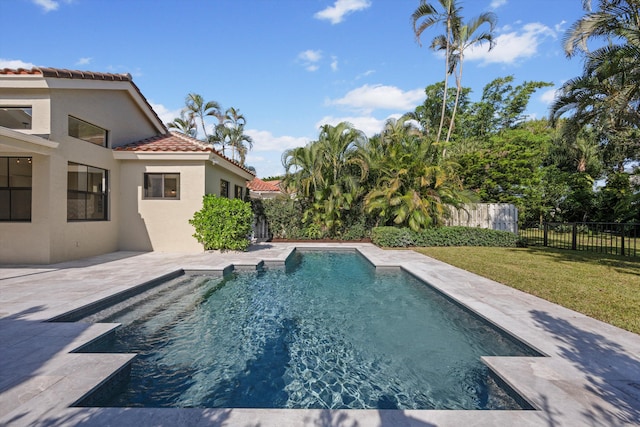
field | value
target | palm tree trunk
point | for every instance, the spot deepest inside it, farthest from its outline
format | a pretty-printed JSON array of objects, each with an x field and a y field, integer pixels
[
  {"x": 444, "y": 94},
  {"x": 455, "y": 104}
]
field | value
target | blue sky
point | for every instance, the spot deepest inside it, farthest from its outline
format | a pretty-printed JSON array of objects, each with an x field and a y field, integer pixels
[{"x": 288, "y": 65}]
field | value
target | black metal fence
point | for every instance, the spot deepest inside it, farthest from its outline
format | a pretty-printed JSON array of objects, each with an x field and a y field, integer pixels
[{"x": 602, "y": 237}]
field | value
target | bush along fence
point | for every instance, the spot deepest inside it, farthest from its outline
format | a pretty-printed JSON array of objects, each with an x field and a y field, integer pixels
[{"x": 603, "y": 237}]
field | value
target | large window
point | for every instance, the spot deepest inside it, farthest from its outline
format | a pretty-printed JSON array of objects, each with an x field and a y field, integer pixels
[
  {"x": 224, "y": 188},
  {"x": 87, "y": 132},
  {"x": 15, "y": 188},
  {"x": 86, "y": 193},
  {"x": 15, "y": 117},
  {"x": 161, "y": 185}
]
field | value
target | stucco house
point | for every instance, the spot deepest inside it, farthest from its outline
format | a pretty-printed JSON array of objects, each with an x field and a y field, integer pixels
[{"x": 87, "y": 167}]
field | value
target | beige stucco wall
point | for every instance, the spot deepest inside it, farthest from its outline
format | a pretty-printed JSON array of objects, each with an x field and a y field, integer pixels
[
  {"x": 49, "y": 237},
  {"x": 110, "y": 110},
  {"x": 38, "y": 100},
  {"x": 160, "y": 225},
  {"x": 215, "y": 173}
]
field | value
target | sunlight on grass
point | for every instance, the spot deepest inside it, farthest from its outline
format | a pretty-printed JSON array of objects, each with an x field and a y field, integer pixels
[{"x": 601, "y": 286}]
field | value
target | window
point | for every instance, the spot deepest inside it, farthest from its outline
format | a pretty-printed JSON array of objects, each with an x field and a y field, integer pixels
[
  {"x": 162, "y": 186},
  {"x": 15, "y": 117},
  {"x": 15, "y": 188},
  {"x": 224, "y": 188},
  {"x": 87, "y": 132},
  {"x": 238, "y": 192},
  {"x": 86, "y": 193}
]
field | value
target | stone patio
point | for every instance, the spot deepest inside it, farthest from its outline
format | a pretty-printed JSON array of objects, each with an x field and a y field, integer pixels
[{"x": 590, "y": 377}]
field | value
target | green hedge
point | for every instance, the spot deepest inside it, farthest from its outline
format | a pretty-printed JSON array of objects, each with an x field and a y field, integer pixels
[
  {"x": 393, "y": 237},
  {"x": 223, "y": 223}
]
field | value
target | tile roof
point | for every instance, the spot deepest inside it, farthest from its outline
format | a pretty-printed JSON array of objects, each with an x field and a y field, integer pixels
[
  {"x": 68, "y": 74},
  {"x": 175, "y": 142},
  {"x": 259, "y": 185},
  {"x": 62, "y": 73}
]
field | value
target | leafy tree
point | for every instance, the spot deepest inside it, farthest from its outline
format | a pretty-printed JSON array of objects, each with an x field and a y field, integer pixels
[
  {"x": 429, "y": 113},
  {"x": 501, "y": 107},
  {"x": 617, "y": 201},
  {"x": 508, "y": 168}
]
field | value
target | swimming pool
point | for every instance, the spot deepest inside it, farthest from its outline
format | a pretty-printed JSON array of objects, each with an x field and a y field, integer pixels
[{"x": 327, "y": 332}]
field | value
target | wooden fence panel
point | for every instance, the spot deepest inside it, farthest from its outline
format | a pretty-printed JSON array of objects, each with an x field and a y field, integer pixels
[{"x": 495, "y": 216}]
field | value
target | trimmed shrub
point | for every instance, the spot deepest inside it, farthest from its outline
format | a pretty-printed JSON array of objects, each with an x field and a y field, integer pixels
[
  {"x": 442, "y": 236},
  {"x": 223, "y": 223}
]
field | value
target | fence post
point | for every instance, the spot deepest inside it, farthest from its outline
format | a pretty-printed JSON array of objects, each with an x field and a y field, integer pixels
[
  {"x": 574, "y": 236},
  {"x": 545, "y": 239},
  {"x": 622, "y": 236}
]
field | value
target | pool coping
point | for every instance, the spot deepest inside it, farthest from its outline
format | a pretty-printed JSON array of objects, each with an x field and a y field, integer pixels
[{"x": 591, "y": 375}]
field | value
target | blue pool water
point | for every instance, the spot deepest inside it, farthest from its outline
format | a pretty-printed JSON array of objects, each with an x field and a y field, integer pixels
[{"x": 329, "y": 332}]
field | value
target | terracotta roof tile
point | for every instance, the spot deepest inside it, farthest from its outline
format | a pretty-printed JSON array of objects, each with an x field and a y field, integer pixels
[
  {"x": 259, "y": 185},
  {"x": 174, "y": 142},
  {"x": 68, "y": 74}
]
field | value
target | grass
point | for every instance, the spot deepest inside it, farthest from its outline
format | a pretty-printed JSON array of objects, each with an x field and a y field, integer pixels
[{"x": 604, "y": 287}]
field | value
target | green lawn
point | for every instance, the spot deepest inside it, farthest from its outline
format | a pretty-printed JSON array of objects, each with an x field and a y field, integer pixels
[{"x": 601, "y": 286}]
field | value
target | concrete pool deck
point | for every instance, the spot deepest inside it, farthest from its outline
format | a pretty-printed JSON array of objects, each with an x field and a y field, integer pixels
[{"x": 590, "y": 377}]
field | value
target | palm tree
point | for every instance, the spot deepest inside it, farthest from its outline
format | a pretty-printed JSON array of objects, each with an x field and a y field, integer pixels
[
  {"x": 606, "y": 97},
  {"x": 197, "y": 108},
  {"x": 426, "y": 16},
  {"x": 413, "y": 182},
  {"x": 184, "y": 124},
  {"x": 235, "y": 123},
  {"x": 465, "y": 37},
  {"x": 327, "y": 174}
]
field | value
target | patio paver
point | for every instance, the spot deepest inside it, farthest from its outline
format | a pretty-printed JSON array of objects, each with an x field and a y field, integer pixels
[{"x": 591, "y": 375}]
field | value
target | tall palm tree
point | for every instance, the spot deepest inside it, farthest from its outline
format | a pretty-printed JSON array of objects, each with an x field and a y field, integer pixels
[
  {"x": 424, "y": 17},
  {"x": 197, "y": 108},
  {"x": 235, "y": 123},
  {"x": 464, "y": 37}
]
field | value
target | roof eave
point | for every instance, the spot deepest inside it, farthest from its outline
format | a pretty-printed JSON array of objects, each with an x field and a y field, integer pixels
[{"x": 24, "y": 142}]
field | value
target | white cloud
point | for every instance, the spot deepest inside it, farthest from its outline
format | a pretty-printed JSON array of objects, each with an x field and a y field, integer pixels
[
  {"x": 548, "y": 96},
  {"x": 264, "y": 140},
  {"x": 367, "y": 124},
  {"x": 497, "y": 3},
  {"x": 84, "y": 61},
  {"x": 341, "y": 8},
  {"x": 310, "y": 58},
  {"x": 164, "y": 113},
  {"x": 334, "y": 63},
  {"x": 49, "y": 5},
  {"x": 14, "y": 63},
  {"x": 513, "y": 46},
  {"x": 371, "y": 97}
]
